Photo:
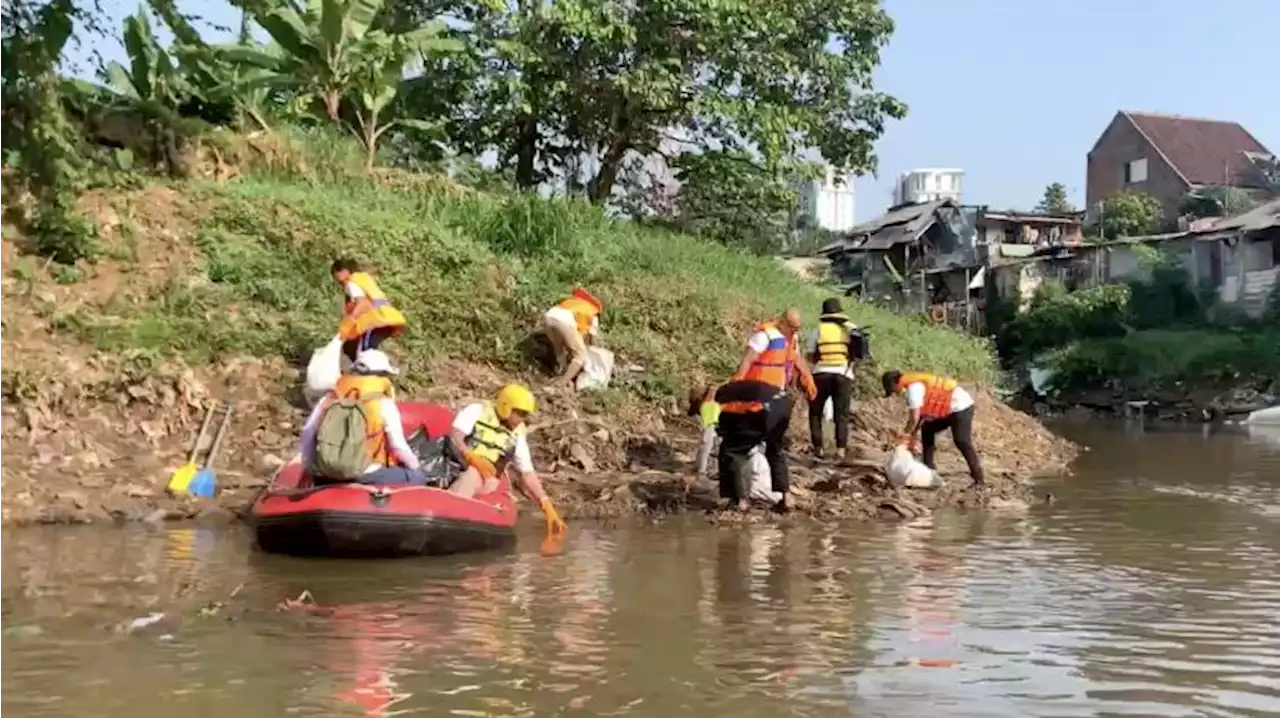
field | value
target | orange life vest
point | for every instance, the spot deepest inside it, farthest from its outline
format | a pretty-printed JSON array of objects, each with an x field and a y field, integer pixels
[
  {"x": 773, "y": 365},
  {"x": 584, "y": 308},
  {"x": 937, "y": 393},
  {"x": 382, "y": 314},
  {"x": 375, "y": 388}
]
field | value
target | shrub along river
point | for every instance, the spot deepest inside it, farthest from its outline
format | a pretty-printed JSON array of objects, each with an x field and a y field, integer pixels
[{"x": 1150, "y": 585}]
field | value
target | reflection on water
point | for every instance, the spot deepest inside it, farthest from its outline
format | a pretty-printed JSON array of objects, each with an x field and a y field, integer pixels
[{"x": 1151, "y": 587}]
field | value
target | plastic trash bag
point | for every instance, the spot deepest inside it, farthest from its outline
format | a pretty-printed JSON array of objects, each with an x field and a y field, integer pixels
[
  {"x": 324, "y": 369},
  {"x": 598, "y": 369},
  {"x": 761, "y": 479},
  {"x": 905, "y": 470},
  {"x": 436, "y": 458}
]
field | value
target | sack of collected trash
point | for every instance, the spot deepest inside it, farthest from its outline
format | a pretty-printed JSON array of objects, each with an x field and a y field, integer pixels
[
  {"x": 598, "y": 369},
  {"x": 905, "y": 470},
  {"x": 761, "y": 478},
  {"x": 324, "y": 369},
  {"x": 436, "y": 459}
]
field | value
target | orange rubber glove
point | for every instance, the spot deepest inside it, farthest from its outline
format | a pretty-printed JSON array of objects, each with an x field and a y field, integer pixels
[
  {"x": 911, "y": 442},
  {"x": 555, "y": 524},
  {"x": 810, "y": 388},
  {"x": 479, "y": 463}
]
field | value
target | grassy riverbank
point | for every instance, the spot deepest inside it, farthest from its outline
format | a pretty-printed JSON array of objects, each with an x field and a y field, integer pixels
[
  {"x": 472, "y": 271},
  {"x": 219, "y": 287}
]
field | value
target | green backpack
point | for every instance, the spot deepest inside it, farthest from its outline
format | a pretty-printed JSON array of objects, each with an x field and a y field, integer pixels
[{"x": 340, "y": 440}]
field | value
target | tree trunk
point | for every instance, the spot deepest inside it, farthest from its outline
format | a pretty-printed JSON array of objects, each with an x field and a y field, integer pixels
[
  {"x": 527, "y": 152},
  {"x": 332, "y": 103},
  {"x": 600, "y": 189}
]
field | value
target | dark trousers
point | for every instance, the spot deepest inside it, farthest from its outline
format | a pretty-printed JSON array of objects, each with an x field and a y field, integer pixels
[
  {"x": 839, "y": 389},
  {"x": 961, "y": 425},
  {"x": 370, "y": 340},
  {"x": 740, "y": 433}
]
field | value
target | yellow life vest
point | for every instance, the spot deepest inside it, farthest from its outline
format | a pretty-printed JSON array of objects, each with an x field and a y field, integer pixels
[
  {"x": 383, "y": 314},
  {"x": 583, "y": 313},
  {"x": 710, "y": 414},
  {"x": 490, "y": 439},
  {"x": 833, "y": 344}
]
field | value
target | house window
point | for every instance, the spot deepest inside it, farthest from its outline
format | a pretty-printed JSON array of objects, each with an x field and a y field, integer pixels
[{"x": 1135, "y": 171}]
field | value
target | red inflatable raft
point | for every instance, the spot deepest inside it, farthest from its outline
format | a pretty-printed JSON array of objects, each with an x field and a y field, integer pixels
[{"x": 294, "y": 516}]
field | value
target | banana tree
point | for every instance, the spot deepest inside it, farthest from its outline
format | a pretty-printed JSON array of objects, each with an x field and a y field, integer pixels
[
  {"x": 324, "y": 46},
  {"x": 152, "y": 84},
  {"x": 378, "y": 78}
]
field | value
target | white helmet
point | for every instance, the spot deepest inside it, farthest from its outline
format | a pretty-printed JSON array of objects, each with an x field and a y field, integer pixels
[{"x": 373, "y": 361}]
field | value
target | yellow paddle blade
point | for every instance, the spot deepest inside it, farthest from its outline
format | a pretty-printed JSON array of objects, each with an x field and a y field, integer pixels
[{"x": 181, "y": 478}]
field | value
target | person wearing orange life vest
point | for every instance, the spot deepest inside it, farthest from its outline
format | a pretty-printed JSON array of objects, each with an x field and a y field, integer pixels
[
  {"x": 368, "y": 318},
  {"x": 491, "y": 437},
  {"x": 572, "y": 325},
  {"x": 756, "y": 408},
  {"x": 389, "y": 458},
  {"x": 936, "y": 403}
]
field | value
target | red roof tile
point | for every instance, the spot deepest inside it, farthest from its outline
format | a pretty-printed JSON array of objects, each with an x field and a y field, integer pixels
[{"x": 1204, "y": 151}]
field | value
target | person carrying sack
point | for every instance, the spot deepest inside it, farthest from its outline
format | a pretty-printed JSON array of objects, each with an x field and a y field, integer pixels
[
  {"x": 831, "y": 348},
  {"x": 355, "y": 433}
]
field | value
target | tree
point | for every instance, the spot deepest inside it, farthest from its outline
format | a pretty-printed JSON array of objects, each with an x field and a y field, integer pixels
[
  {"x": 1216, "y": 202},
  {"x": 1129, "y": 214},
  {"x": 728, "y": 197},
  {"x": 329, "y": 49},
  {"x": 554, "y": 82},
  {"x": 1055, "y": 201}
]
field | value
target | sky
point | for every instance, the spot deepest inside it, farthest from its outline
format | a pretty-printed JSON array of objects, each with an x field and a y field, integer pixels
[{"x": 1015, "y": 92}]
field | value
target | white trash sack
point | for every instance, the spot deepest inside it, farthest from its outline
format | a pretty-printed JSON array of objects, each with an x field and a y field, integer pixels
[
  {"x": 761, "y": 478},
  {"x": 598, "y": 369},
  {"x": 905, "y": 470},
  {"x": 324, "y": 369}
]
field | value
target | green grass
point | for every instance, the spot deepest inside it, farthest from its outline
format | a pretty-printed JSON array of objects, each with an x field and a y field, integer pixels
[
  {"x": 1159, "y": 359},
  {"x": 473, "y": 273}
]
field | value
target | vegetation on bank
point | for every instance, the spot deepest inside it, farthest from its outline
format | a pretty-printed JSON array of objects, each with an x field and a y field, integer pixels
[
  {"x": 1155, "y": 332},
  {"x": 546, "y": 88},
  {"x": 472, "y": 270}
]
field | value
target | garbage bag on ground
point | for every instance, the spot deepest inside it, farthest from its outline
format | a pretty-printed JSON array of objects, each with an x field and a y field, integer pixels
[
  {"x": 905, "y": 470},
  {"x": 598, "y": 369},
  {"x": 324, "y": 369},
  {"x": 761, "y": 479}
]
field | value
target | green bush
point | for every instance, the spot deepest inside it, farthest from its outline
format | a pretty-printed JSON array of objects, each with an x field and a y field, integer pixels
[
  {"x": 1157, "y": 359},
  {"x": 1056, "y": 316}
]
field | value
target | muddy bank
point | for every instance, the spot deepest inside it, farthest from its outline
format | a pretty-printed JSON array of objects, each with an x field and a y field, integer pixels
[{"x": 91, "y": 438}]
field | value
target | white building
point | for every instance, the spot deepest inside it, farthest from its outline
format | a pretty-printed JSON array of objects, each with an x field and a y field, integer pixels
[
  {"x": 829, "y": 202},
  {"x": 929, "y": 185}
]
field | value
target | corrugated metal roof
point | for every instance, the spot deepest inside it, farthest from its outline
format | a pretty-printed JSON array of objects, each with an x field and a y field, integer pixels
[
  {"x": 899, "y": 226},
  {"x": 1264, "y": 216}
]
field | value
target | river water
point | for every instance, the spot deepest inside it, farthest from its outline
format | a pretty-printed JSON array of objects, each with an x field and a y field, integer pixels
[{"x": 1150, "y": 586}]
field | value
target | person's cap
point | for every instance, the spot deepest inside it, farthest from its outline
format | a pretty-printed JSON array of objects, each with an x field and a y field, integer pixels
[{"x": 374, "y": 361}]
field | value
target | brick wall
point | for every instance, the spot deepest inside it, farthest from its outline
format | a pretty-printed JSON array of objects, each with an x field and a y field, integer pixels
[{"x": 1122, "y": 143}]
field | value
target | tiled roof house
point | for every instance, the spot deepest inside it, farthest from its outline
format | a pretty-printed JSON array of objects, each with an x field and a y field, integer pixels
[{"x": 1166, "y": 156}]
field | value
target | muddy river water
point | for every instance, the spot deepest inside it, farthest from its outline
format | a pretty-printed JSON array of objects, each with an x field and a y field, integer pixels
[{"x": 1150, "y": 586}]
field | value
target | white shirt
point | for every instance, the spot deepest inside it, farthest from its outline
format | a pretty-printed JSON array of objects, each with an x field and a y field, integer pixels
[
  {"x": 960, "y": 399},
  {"x": 759, "y": 341},
  {"x": 464, "y": 422},
  {"x": 397, "y": 445},
  {"x": 564, "y": 317},
  {"x": 353, "y": 291},
  {"x": 811, "y": 346}
]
